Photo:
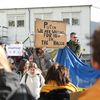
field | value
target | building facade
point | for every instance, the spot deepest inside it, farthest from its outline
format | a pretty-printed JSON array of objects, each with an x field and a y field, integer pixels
[{"x": 19, "y": 23}]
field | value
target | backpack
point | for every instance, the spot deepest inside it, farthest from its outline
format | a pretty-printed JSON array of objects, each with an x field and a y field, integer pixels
[{"x": 57, "y": 94}]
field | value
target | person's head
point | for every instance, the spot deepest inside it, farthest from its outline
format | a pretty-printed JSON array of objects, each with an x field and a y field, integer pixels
[
  {"x": 26, "y": 66},
  {"x": 95, "y": 44},
  {"x": 39, "y": 51},
  {"x": 73, "y": 37},
  {"x": 3, "y": 60},
  {"x": 22, "y": 65},
  {"x": 57, "y": 73},
  {"x": 11, "y": 63},
  {"x": 17, "y": 42},
  {"x": 32, "y": 67}
]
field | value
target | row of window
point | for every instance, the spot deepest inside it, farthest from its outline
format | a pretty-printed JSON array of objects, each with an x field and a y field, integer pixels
[
  {"x": 19, "y": 20},
  {"x": 20, "y": 23},
  {"x": 74, "y": 21},
  {"x": 16, "y": 20}
]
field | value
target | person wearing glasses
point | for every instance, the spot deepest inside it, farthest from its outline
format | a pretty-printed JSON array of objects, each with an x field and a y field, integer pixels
[
  {"x": 12, "y": 64},
  {"x": 73, "y": 44}
]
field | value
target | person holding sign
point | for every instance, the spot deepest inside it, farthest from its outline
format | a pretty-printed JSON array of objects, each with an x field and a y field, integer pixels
[
  {"x": 42, "y": 59},
  {"x": 73, "y": 44}
]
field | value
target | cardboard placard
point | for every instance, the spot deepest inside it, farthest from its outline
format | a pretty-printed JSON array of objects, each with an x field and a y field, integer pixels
[
  {"x": 50, "y": 34},
  {"x": 14, "y": 50}
]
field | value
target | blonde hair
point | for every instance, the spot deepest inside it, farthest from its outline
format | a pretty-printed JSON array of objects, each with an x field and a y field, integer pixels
[
  {"x": 31, "y": 64},
  {"x": 3, "y": 60}
]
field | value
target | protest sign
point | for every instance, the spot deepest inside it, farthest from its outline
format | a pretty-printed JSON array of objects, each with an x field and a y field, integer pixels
[
  {"x": 50, "y": 34},
  {"x": 14, "y": 49}
]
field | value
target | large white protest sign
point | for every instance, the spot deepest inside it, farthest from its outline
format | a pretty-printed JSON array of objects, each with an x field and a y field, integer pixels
[
  {"x": 14, "y": 50},
  {"x": 50, "y": 34}
]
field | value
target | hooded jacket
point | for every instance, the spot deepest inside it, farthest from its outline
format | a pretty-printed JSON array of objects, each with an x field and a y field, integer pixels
[
  {"x": 51, "y": 91},
  {"x": 52, "y": 85},
  {"x": 10, "y": 89}
]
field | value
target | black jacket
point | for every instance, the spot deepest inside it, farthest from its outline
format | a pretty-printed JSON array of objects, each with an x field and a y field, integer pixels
[
  {"x": 10, "y": 89},
  {"x": 58, "y": 94}
]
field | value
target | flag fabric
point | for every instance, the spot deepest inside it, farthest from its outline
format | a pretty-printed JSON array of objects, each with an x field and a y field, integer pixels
[{"x": 81, "y": 74}]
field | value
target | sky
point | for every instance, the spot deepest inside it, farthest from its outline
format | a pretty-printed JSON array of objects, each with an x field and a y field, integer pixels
[{"x": 49, "y": 3}]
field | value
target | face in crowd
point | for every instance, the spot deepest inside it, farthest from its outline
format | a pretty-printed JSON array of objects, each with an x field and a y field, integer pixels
[
  {"x": 39, "y": 51},
  {"x": 32, "y": 68},
  {"x": 73, "y": 37}
]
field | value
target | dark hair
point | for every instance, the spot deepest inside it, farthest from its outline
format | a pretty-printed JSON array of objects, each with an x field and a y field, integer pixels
[
  {"x": 22, "y": 65},
  {"x": 57, "y": 74},
  {"x": 38, "y": 51},
  {"x": 73, "y": 33},
  {"x": 95, "y": 44}
]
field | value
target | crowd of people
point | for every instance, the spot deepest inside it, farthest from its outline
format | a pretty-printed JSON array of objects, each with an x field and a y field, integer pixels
[{"x": 34, "y": 77}]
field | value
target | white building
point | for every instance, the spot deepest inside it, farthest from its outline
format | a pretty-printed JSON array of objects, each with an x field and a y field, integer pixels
[{"x": 21, "y": 22}]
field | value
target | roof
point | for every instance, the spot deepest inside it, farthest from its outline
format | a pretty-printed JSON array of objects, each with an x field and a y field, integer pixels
[
  {"x": 22, "y": 4},
  {"x": 45, "y": 7}
]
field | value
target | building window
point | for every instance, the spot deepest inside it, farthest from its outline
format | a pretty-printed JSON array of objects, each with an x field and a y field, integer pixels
[
  {"x": 66, "y": 20},
  {"x": 16, "y": 20},
  {"x": 75, "y": 21},
  {"x": 11, "y": 23},
  {"x": 20, "y": 23},
  {"x": 76, "y": 18}
]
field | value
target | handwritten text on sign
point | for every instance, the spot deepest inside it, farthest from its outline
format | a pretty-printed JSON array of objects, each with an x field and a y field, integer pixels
[
  {"x": 14, "y": 49},
  {"x": 51, "y": 34}
]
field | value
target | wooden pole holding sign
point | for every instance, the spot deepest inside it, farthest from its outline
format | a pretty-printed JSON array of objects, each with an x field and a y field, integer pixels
[{"x": 50, "y": 34}]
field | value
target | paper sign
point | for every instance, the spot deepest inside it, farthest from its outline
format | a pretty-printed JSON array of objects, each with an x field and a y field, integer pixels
[{"x": 14, "y": 50}]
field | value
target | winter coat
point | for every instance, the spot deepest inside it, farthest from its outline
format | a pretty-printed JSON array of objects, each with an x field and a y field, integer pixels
[
  {"x": 52, "y": 85},
  {"x": 42, "y": 61},
  {"x": 51, "y": 91},
  {"x": 10, "y": 89},
  {"x": 57, "y": 94},
  {"x": 33, "y": 82},
  {"x": 75, "y": 47}
]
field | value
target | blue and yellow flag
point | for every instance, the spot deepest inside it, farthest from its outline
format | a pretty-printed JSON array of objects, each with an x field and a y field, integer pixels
[{"x": 81, "y": 74}]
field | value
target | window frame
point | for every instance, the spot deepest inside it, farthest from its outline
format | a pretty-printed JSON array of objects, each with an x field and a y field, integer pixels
[{"x": 20, "y": 25}]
